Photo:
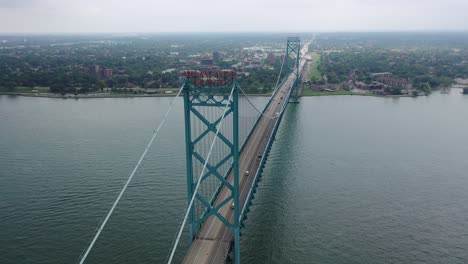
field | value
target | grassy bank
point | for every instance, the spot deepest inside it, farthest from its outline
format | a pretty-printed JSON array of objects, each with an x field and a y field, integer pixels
[
  {"x": 44, "y": 92},
  {"x": 24, "y": 90},
  {"x": 314, "y": 73}
]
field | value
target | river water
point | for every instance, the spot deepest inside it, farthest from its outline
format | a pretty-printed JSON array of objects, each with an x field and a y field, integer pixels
[{"x": 350, "y": 179}]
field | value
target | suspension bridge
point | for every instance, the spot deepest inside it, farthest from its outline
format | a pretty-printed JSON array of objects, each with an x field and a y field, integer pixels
[{"x": 228, "y": 138}]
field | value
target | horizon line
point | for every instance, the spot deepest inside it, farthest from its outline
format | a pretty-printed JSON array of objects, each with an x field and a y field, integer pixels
[{"x": 238, "y": 32}]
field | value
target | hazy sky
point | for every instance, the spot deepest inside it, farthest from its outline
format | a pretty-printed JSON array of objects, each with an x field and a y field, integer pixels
[{"x": 39, "y": 16}]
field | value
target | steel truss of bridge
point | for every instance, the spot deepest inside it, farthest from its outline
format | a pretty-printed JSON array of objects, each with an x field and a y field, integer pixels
[{"x": 229, "y": 182}]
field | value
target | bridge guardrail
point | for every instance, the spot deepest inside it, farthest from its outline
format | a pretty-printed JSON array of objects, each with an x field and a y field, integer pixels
[{"x": 264, "y": 156}]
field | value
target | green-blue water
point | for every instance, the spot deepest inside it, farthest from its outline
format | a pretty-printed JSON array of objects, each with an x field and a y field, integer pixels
[{"x": 349, "y": 180}]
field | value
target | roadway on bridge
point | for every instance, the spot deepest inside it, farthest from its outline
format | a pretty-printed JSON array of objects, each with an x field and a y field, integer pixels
[{"x": 211, "y": 245}]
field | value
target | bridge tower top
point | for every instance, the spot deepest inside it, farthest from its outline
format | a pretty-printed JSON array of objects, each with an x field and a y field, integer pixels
[{"x": 292, "y": 59}]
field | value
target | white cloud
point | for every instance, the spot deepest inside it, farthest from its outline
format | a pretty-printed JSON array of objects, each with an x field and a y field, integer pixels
[{"x": 241, "y": 15}]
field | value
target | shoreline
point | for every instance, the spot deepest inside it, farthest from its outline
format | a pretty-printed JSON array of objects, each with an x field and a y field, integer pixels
[
  {"x": 172, "y": 95},
  {"x": 83, "y": 96},
  {"x": 96, "y": 96}
]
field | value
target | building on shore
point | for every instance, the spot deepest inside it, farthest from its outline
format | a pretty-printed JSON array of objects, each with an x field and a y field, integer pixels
[
  {"x": 93, "y": 69},
  {"x": 101, "y": 73},
  {"x": 106, "y": 74},
  {"x": 271, "y": 58},
  {"x": 394, "y": 82},
  {"x": 388, "y": 79},
  {"x": 465, "y": 90}
]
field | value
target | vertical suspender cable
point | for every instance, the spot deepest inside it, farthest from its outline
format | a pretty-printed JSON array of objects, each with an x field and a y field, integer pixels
[{"x": 199, "y": 179}]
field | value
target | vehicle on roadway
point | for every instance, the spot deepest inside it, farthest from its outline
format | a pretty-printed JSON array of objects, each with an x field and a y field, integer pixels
[{"x": 259, "y": 157}]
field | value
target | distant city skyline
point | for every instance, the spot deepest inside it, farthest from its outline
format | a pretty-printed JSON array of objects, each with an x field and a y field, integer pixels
[{"x": 98, "y": 16}]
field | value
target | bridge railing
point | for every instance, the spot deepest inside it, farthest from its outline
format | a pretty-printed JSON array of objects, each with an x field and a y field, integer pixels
[
  {"x": 263, "y": 112},
  {"x": 242, "y": 216}
]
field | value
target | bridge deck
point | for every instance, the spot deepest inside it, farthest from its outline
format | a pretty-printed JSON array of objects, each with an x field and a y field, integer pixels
[{"x": 211, "y": 245}]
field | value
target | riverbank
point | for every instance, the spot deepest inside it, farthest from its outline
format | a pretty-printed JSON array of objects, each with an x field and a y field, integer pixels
[
  {"x": 84, "y": 96},
  {"x": 339, "y": 92},
  {"x": 306, "y": 93},
  {"x": 107, "y": 95},
  {"x": 73, "y": 96}
]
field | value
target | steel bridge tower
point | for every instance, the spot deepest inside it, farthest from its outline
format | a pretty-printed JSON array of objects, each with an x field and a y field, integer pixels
[
  {"x": 211, "y": 91},
  {"x": 293, "y": 54}
]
